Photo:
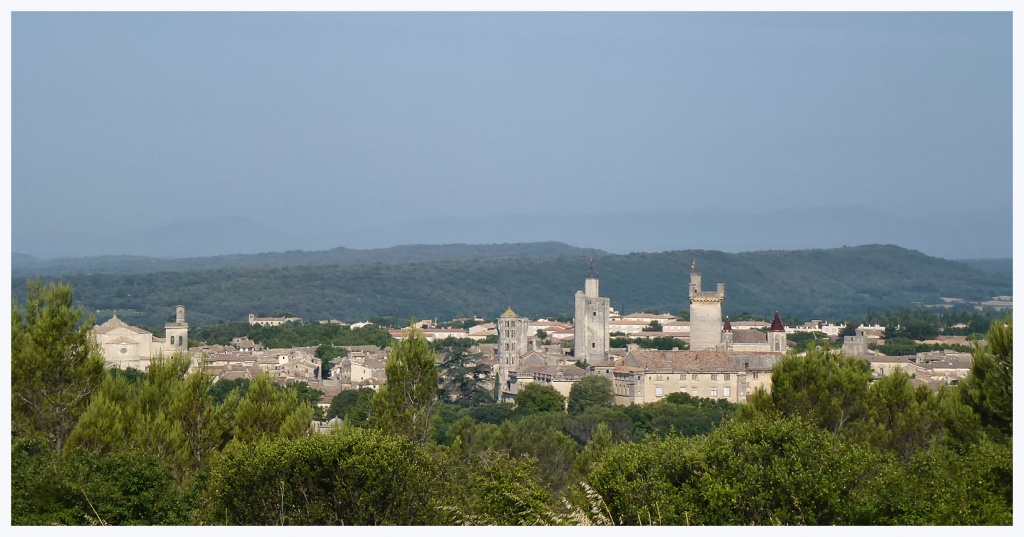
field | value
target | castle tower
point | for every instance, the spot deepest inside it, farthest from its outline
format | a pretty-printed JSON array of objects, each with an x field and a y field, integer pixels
[
  {"x": 176, "y": 333},
  {"x": 705, "y": 313},
  {"x": 512, "y": 339},
  {"x": 777, "y": 335},
  {"x": 727, "y": 334},
  {"x": 591, "y": 322}
]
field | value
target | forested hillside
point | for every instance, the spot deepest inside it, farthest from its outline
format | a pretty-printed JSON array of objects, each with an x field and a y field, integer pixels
[
  {"x": 25, "y": 265},
  {"x": 827, "y": 284}
]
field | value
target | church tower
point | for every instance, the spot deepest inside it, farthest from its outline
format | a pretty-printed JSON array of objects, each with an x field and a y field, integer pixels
[
  {"x": 591, "y": 322},
  {"x": 705, "y": 313},
  {"x": 777, "y": 335},
  {"x": 176, "y": 333},
  {"x": 512, "y": 339}
]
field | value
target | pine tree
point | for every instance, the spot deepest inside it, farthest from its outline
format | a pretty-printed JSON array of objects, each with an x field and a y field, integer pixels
[
  {"x": 404, "y": 404},
  {"x": 55, "y": 363}
]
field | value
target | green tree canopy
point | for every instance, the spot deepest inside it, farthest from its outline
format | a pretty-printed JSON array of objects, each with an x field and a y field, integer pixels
[
  {"x": 405, "y": 403},
  {"x": 540, "y": 398},
  {"x": 55, "y": 362},
  {"x": 988, "y": 388},
  {"x": 823, "y": 386},
  {"x": 591, "y": 391}
]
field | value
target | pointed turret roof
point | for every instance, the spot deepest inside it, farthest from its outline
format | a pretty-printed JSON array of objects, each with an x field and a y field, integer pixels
[
  {"x": 509, "y": 313},
  {"x": 777, "y": 325},
  {"x": 728, "y": 326}
]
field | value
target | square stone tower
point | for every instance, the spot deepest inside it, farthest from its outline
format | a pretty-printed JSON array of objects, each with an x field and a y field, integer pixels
[
  {"x": 705, "y": 313},
  {"x": 176, "y": 333},
  {"x": 591, "y": 322},
  {"x": 512, "y": 340}
]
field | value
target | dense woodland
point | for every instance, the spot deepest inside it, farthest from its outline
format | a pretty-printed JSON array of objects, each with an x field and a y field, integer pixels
[
  {"x": 841, "y": 283},
  {"x": 825, "y": 446}
]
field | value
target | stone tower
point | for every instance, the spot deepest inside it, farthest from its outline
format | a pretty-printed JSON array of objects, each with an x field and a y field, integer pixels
[
  {"x": 591, "y": 322},
  {"x": 705, "y": 313},
  {"x": 512, "y": 339},
  {"x": 777, "y": 335},
  {"x": 176, "y": 333}
]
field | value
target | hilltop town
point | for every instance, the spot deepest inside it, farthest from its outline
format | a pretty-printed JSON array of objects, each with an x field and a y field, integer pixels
[{"x": 705, "y": 356}]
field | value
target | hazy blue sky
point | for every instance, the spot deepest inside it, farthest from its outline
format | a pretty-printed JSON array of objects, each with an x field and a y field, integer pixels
[{"x": 336, "y": 124}]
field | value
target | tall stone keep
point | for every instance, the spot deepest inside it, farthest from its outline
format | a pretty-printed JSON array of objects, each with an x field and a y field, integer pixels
[
  {"x": 705, "y": 313},
  {"x": 176, "y": 333},
  {"x": 591, "y": 322},
  {"x": 512, "y": 341}
]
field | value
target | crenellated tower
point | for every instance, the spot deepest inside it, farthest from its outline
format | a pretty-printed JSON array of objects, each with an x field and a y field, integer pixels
[{"x": 705, "y": 313}]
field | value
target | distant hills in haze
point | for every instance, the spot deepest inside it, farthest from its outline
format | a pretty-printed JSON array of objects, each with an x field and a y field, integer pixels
[
  {"x": 946, "y": 234},
  {"x": 25, "y": 265},
  {"x": 534, "y": 279}
]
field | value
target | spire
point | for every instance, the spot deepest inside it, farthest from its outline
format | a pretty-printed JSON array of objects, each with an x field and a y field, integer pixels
[
  {"x": 693, "y": 266},
  {"x": 509, "y": 313},
  {"x": 728, "y": 326},
  {"x": 777, "y": 325}
]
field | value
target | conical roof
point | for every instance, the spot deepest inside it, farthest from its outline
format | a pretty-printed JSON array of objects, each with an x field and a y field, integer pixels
[
  {"x": 509, "y": 313},
  {"x": 777, "y": 325},
  {"x": 728, "y": 326}
]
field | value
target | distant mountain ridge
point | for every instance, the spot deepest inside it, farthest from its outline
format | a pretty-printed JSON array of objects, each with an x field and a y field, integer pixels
[
  {"x": 835, "y": 283},
  {"x": 25, "y": 265}
]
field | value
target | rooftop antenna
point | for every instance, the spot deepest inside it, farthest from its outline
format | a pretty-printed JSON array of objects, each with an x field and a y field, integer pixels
[{"x": 592, "y": 274}]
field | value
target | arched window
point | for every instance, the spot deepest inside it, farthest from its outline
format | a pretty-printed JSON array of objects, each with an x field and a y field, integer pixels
[{"x": 181, "y": 340}]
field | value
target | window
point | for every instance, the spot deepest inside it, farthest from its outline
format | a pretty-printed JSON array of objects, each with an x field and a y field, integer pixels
[
  {"x": 694, "y": 377},
  {"x": 694, "y": 391},
  {"x": 756, "y": 375},
  {"x": 658, "y": 392},
  {"x": 714, "y": 376},
  {"x": 726, "y": 392},
  {"x": 726, "y": 376},
  {"x": 714, "y": 392},
  {"x": 682, "y": 377},
  {"x": 682, "y": 389},
  {"x": 595, "y": 314},
  {"x": 593, "y": 345}
]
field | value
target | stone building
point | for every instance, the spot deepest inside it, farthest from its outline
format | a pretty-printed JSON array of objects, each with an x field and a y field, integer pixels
[
  {"x": 270, "y": 321},
  {"x": 646, "y": 376},
  {"x": 592, "y": 338},
  {"x": 127, "y": 346}
]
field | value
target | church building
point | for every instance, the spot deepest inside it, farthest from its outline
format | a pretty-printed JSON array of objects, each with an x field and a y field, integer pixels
[{"x": 127, "y": 346}]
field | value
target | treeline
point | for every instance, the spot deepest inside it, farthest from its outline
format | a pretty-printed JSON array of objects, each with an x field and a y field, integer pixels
[
  {"x": 825, "y": 446},
  {"x": 927, "y": 323},
  {"x": 840, "y": 283},
  {"x": 294, "y": 334}
]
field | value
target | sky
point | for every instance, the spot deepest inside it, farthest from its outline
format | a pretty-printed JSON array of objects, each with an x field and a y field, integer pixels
[{"x": 156, "y": 133}]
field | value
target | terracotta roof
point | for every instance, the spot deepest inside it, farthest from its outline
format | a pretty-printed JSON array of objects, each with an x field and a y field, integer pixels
[
  {"x": 727, "y": 327},
  {"x": 777, "y": 325},
  {"x": 531, "y": 369},
  {"x": 691, "y": 360},
  {"x": 564, "y": 371}
]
